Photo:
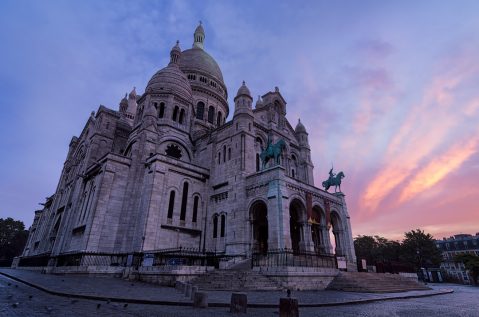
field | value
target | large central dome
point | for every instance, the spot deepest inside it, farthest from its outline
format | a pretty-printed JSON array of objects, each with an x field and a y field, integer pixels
[{"x": 197, "y": 59}]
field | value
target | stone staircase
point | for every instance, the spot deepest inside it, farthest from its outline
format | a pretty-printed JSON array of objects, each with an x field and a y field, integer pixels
[
  {"x": 374, "y": 283},
  {"x": 236, "y": 280}
]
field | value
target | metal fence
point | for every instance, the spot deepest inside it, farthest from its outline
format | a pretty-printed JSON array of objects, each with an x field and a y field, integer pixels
[
  {"x": 164, "y": 257},
  {"x": 288, "y": 257}
]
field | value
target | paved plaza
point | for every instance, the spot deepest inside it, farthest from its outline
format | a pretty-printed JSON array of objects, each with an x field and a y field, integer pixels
[{"x": 19, "y": 299}]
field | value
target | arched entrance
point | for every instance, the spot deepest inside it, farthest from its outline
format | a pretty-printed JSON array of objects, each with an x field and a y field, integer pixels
[
  {"x": 259, "y": 224},
  {"x": 296, "y": 218},
  {"x": 337, "y": 232},
  {"x": 316, "y": 229}
]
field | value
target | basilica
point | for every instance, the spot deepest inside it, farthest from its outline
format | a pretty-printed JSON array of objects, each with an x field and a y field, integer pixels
[{"x": 167, "y": 171}]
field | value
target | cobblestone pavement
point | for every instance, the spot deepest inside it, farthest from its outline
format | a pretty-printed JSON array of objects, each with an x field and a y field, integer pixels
[
  {"x": 119, "y": 288},
  {"x": 18, "y": 299}
]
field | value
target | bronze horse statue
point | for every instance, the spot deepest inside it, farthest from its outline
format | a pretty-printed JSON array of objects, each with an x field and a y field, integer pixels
[
  {"x": 334, "y": 181},
  {"x": 272, "y": 151}
]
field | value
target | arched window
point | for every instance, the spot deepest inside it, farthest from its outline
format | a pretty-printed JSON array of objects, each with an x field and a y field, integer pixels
[
  {"x": 161, "y": 112},
  {"x": 184, "y": 200},
  {"x": 229, "y": 154},
  {"x": 171, "y": 204},
  {"x": 175, "y": 113},
  {"x": 215, "y": 226},
  {"x": 211, "y": 114},
  {"x": 200, "y": 110},
  {"x": 257, "y": 162},
  {"x": 195, "y": 208},
  {"x": 218, "y": 119},
  {"x": 223, "y": 225},
  {"x": 294, "y": 166},
  {"x": 224, "y": 153},
  {"x": 219, "y": 158},
  {"x": 182, "y": 116}
]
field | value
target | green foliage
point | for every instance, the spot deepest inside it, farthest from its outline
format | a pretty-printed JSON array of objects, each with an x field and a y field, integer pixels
[
  {"x": 420, "y": 248},
  {"x": 376, "y": 249},
  {"x": 417, "y": 248},
  {"x": 471, "y": 263},
  {"x": 13, "y": 238}
]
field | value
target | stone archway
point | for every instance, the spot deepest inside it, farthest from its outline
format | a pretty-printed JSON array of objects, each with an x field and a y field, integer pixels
[
  {"x": 296, "y": 219},
  {"x": 338, "y": 233},
  {"x": 259, "y": 226},
  {"x": 316, "y": 230}
]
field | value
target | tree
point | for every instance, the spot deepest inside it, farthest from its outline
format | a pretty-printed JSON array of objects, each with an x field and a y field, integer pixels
[
  {"x": 13, "y": 238},
  {"x": 376, "y": 248},
  {"x": 420, "y": 248},
  {"x": 365, "y": 247},
  {"x": 471, "y": 263}
]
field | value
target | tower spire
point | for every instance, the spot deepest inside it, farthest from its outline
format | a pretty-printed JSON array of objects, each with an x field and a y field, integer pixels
[
  {"x": 175, "y": 54},
  {"x": 199, "y": 36}
]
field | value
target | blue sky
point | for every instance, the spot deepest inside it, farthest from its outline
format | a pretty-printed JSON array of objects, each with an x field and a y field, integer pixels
[{"x": 387, "y": 90}]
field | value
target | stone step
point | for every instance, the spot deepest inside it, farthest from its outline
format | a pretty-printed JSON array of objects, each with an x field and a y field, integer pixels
[
  {"x": 373, "y": 282},
  {"x": 235, "y": 280}
]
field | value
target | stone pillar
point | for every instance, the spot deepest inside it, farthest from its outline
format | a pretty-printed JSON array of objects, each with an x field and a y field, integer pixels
[
  {"x": 200, "y": 300},
  {"x": 347, "y": 244},
  {"x": 278, "y": 223},
  {"x": 325, "y": 241},
  {"x": 338, "y": 234},
  {"x": 239, "y": 303},
  {"x": 288, "y": 307},
  {"x": 306, "y": 243}
]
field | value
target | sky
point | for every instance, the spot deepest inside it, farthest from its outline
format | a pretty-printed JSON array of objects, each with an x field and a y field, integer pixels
[{"x": 388, "y": 92}]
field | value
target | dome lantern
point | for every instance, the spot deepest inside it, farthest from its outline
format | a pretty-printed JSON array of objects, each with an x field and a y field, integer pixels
[
  {"x": 175, "y": 54},
  {"x": 199, "y": 36}
]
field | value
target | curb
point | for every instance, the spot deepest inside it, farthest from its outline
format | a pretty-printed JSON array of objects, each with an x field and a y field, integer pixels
[{"x": 178, "y": 303}]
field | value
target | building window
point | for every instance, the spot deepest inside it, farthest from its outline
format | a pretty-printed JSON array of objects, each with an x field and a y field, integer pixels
[
  {"x": 215, "y": 226},
  {"x": 224, "y": 153},
  {"x": 175, "y": 113},
  {"x": 195, "y": 208},
  {"x": 218, "y": 119},
  {"x": 219, "y": 158},
  {"x": 229, "y": 154},
  {"x": 257, "y": 162},
  {"x": 174, "y": 151},
  {"x": 211, "y": 114},
  {"x": 184, "y": 200},
  {"x": 200, "y": 110},
  {"x": 171, "y": 204},
  {"x": 182, "y": 116},
  {"x": 223, "y": 224},
  {"x": 161, "y": 112}
]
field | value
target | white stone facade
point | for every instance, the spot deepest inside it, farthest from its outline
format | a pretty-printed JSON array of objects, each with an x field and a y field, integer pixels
[{"x": 166, "y": 171}]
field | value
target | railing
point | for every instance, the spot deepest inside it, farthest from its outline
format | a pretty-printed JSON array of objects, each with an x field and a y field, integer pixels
[
  {"x": 187, "y": 256},
  {"x": 288, "y": 257}
]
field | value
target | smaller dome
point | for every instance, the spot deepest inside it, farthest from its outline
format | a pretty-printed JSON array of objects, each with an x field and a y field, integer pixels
[
  {"x": 259, "y": 102},
  {"x": 171, "y": 79},
  {"x": 199, "y": 29},
  {"x": 243, "y": 91},
  {"x": 124, "y": 101},
  {"x": 300, "y": 127},
  {"x": 132, "y": 94}
]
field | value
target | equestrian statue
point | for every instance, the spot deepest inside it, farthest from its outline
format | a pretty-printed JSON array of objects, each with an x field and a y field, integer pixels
[
  {"x": 272, "y": 151},
  {"x": 333, "y": 180}
]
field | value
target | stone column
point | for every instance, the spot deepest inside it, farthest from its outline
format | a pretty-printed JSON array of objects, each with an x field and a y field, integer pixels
[
  {"x": 325, "y": 241},
  {"x": 278, "y": 223},
  {"x": 347, "y": 243},
  {"x": 306, "y": 243}
]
